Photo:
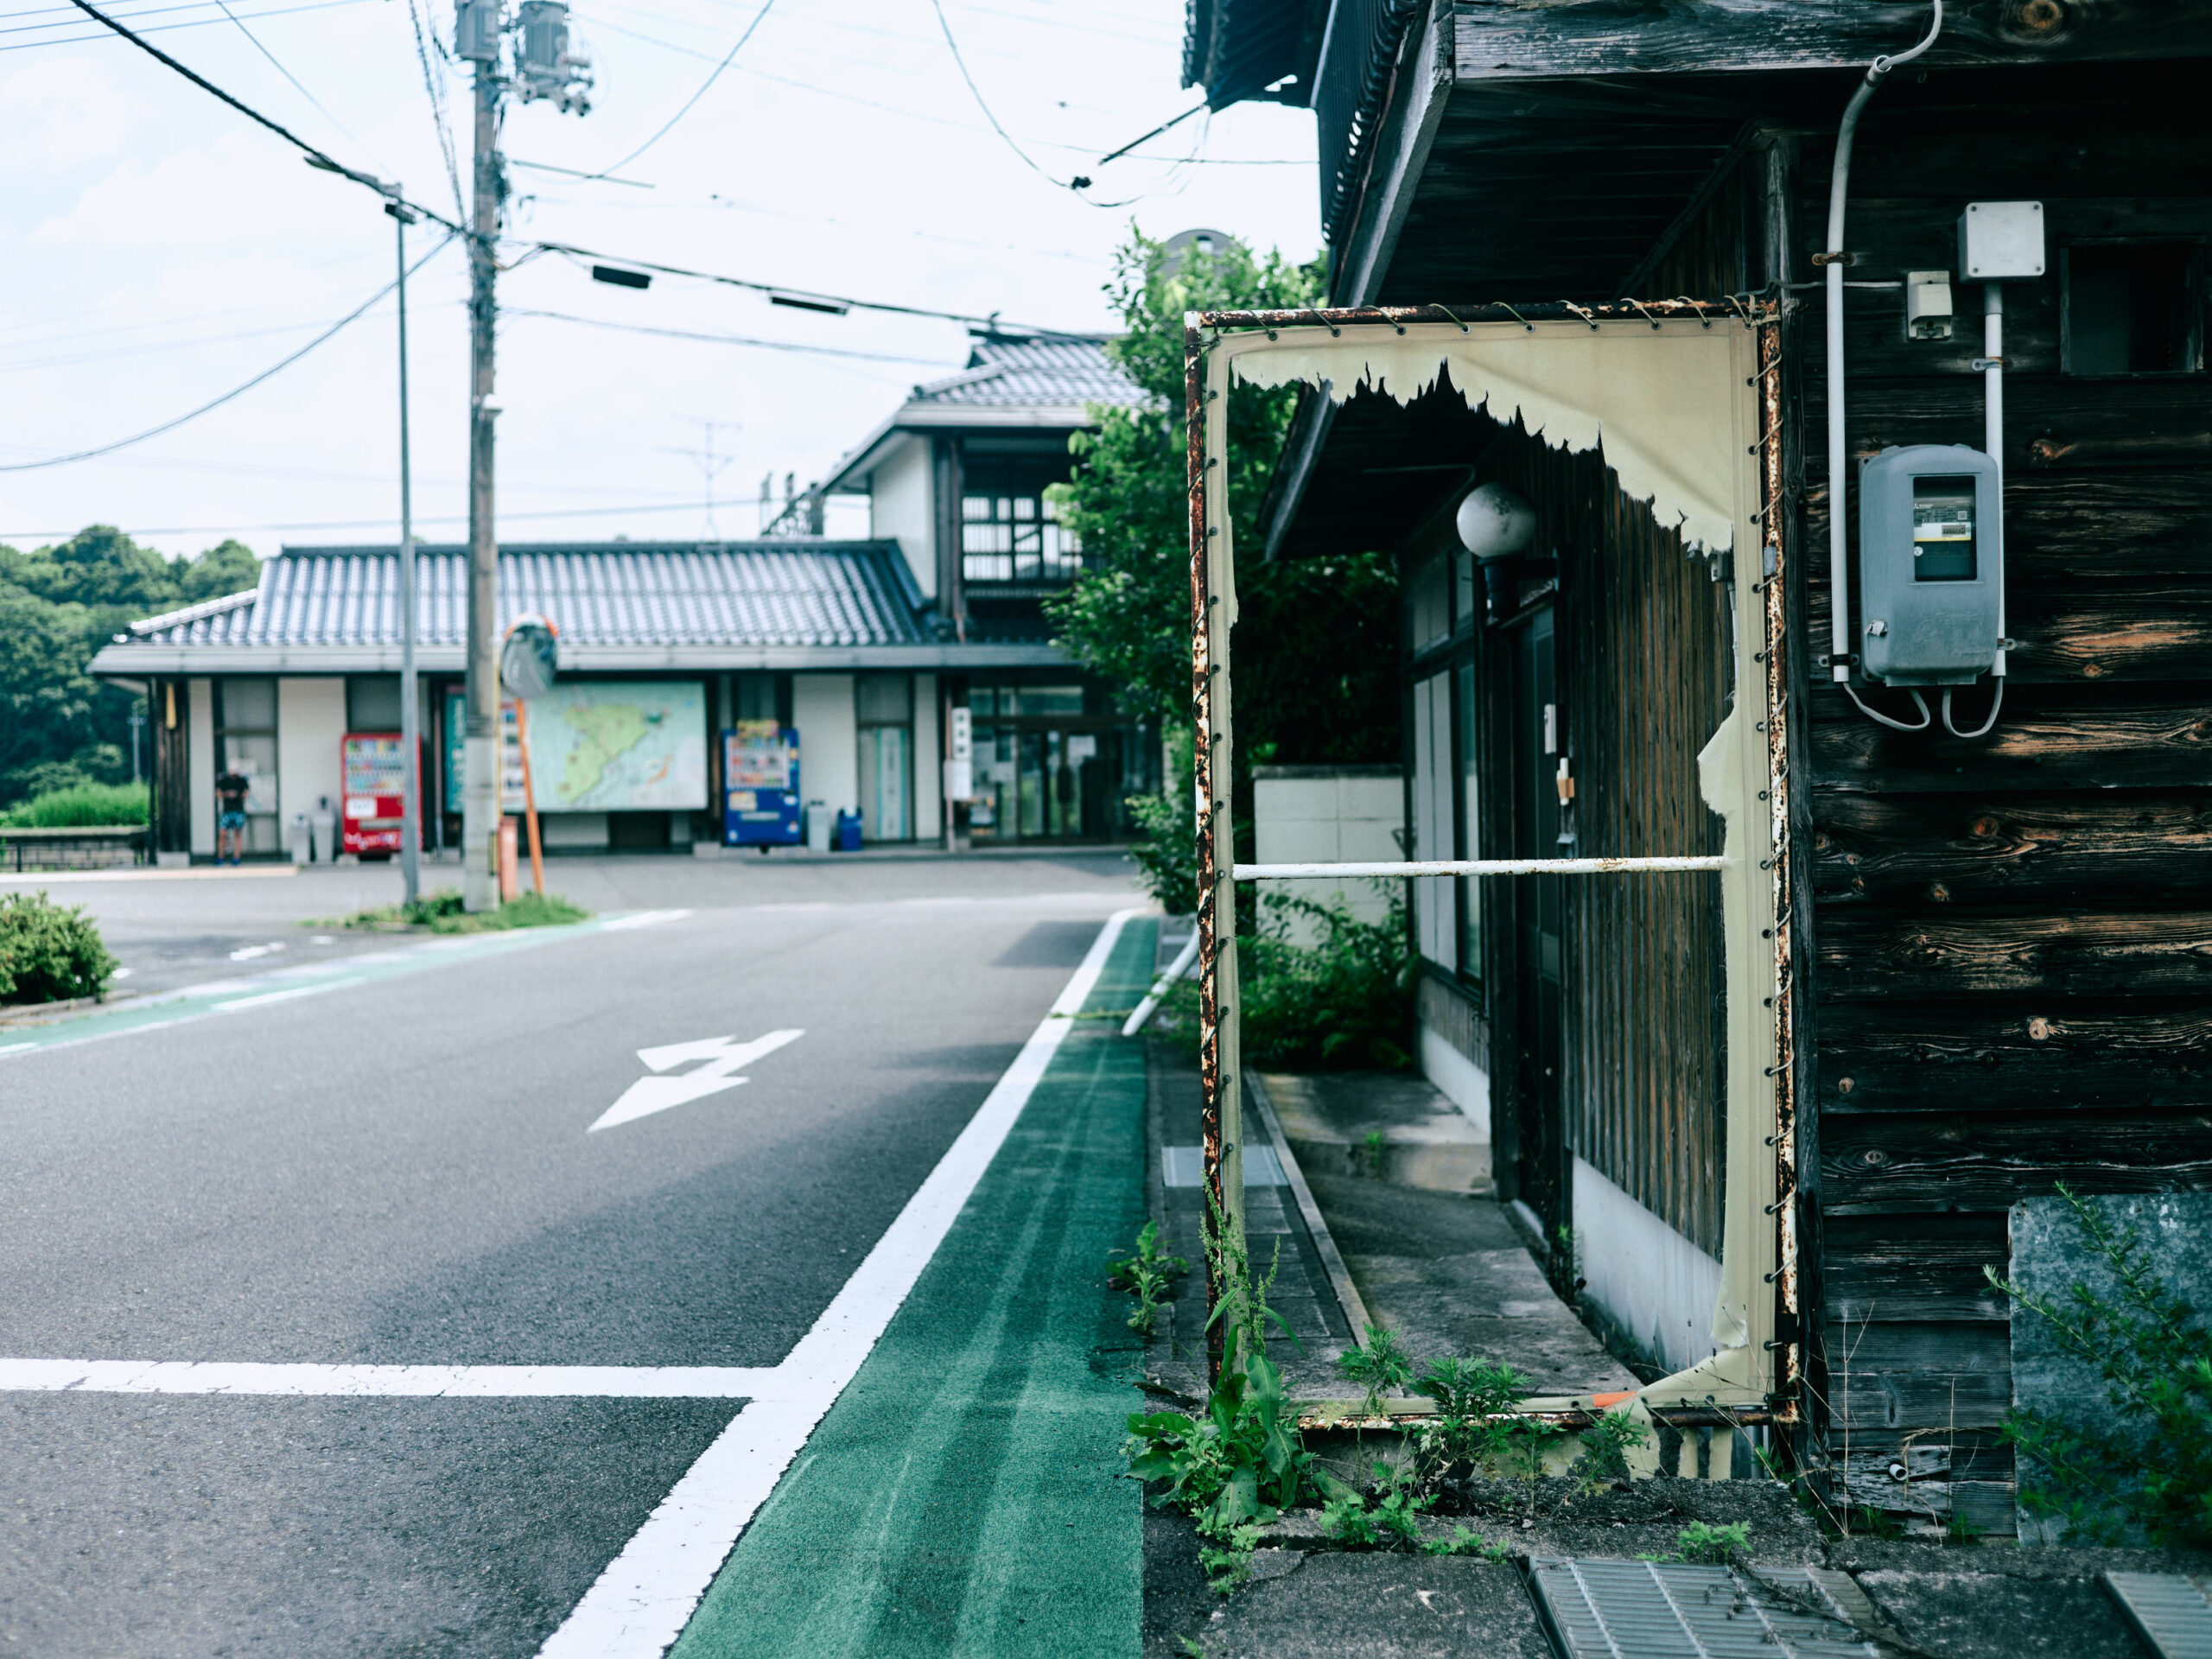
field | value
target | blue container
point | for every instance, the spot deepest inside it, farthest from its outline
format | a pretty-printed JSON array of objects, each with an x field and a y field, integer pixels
[{"x": 845, "y": 837}]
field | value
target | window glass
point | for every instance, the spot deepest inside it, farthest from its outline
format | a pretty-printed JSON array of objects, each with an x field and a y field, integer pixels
[
  {"x": 1430, "y": 607},
  {"x": 245, "y": 723},
  {"x": 2132, "y": 309},
  {"x": 887, "y": 698},
  {"x": 1015, "y": 536},
  {"x": 1052, "y": 699}
]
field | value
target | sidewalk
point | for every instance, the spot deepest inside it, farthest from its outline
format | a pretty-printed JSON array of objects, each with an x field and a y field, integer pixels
[{"x": 964, "y": 1496}]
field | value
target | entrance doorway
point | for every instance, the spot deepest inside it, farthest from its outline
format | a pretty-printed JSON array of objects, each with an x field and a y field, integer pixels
[{"x": 1541, "y": 1175}]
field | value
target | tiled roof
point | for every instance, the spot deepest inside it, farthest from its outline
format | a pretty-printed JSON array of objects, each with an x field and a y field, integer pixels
[
  {"x": 668, "y": 593},
  {"x": 1060, "y": 372}
]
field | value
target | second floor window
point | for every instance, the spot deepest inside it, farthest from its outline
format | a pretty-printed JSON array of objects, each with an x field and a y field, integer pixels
[{"x": 1015, "y": 537}]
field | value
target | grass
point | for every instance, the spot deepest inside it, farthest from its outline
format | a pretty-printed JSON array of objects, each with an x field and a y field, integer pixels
[
  {"x": 80, "y": 807},
  {"x": 440, "y": 912}
]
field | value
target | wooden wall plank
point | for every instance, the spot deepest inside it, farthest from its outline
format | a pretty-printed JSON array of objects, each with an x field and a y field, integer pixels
[
  {"x": 2050, "y": 739},
  {"x": 1947, "y": 1057},
  {"x": 1987, "y": 1161},
  {"x": 1904, "y": 1375},
  {"x": 1916, "y": 1269},
  {"x": 1916, "y": 850},
  {"x": 1880, "y": 955}
]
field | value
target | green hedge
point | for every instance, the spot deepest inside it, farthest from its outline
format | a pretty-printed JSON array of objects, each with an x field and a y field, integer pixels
[
  {"x": 49, "y": 953},
  {"x": 79, "y": 805}
]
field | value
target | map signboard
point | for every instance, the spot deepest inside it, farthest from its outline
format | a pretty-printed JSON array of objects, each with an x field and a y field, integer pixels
[{"x": 605, "y": 746}]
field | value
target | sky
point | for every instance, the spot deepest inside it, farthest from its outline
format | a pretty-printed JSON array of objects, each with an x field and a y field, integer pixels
[{"x": 165, "y": 249}]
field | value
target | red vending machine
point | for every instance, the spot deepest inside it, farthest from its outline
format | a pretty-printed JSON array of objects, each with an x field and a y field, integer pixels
[{"x": 372, "y": 780}]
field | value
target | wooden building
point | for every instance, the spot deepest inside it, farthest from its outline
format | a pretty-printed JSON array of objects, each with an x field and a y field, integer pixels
[{"x": 1992, "y": 955}]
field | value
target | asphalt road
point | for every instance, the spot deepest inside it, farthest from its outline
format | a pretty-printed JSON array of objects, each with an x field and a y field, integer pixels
[{"x": 402, "y": 1172}]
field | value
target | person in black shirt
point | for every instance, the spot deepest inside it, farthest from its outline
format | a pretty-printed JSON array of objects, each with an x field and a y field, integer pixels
[{"x": 230, "y": 820}]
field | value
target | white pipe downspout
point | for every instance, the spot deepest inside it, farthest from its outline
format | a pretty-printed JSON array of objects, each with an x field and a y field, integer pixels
[
  {"x": 1840, "y": 643},
  {"x": 1992, "y": 432}
]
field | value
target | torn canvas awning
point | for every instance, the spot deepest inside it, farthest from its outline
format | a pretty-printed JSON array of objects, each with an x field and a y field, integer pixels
[{"x": 1668, "y": 402}]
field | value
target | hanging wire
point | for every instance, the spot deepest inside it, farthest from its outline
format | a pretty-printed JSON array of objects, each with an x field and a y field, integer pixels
[
  {"x": 224, "y": 6},
  {"x": 715, "y": 75},
  {"x": 278, "y": 367},
  {"x": 435, "y": 92},
  {"x": 1881, "y": 719}
]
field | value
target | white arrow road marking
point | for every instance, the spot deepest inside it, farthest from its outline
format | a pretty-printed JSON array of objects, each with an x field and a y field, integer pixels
[{"x": 722, "y": 1055}]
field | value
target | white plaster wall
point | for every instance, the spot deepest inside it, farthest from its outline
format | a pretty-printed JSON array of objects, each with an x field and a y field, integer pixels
[
  {"x": 310, "y": 720},
  {"x": 1458, "y": 1078},
  {"x": 829, "y": 739},
  {"x": 200, "y": 753},
  {"x": 929, "y": 775},
  {"x": 900, "y": 508},
  {"x": 1655, "y": 1284},
  {"x": 1319, "y": 817}
]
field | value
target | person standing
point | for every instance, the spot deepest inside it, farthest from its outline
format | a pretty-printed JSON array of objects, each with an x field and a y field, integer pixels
[{"x": 230, "y": 819}]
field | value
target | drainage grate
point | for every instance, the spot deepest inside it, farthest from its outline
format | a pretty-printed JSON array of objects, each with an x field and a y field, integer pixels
[
  {"x": 2170, "y": 1610},
  {"x": 1186, "y": 1166},
  {"x": 1650, "y": 1609}
]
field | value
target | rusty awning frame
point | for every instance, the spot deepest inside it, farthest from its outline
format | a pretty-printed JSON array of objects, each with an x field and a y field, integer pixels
[{"x": 1760, "y": 1371}]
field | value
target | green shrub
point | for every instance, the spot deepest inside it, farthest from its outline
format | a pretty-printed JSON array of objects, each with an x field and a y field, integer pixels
[
  {"x": 79, "y": 805},
  {"x": 441, "y": 912},
  {"x": 49, "y": 953},
  {"x": 1167, "y": 848},
  {"x": 2141, "y": 1466}
]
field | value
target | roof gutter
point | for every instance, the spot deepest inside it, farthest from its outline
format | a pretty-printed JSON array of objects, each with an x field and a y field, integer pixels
[{"x": 136, "y": 660}]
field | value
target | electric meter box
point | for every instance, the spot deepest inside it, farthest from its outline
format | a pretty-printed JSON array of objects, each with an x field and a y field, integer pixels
[{"x": 1931, "y": 565}]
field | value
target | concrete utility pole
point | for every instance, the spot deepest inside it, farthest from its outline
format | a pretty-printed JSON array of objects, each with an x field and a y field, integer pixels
[
  {"x": 410, "y": 743},
  {"x": 544, "y": 68}
]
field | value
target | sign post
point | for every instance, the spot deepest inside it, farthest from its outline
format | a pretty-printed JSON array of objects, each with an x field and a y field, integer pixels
[{"x": 529, "y": 659}]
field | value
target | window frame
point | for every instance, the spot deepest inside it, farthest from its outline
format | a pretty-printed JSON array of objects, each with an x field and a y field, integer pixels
[{"x": 2194, "y": 277}]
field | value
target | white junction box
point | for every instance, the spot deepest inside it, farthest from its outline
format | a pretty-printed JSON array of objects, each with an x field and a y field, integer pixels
[
  {"x": 2000, "y": 241},
  {"x": 1928, "y": 304}
]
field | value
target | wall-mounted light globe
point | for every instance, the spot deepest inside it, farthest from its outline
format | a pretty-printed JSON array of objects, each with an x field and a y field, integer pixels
[{"x": 1495, "y": 521}]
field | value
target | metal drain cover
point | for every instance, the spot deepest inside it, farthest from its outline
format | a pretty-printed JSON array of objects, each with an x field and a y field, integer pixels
[
  {"x": 2172, "y": 1612},
  {"x": 1654, "y": 1610}
]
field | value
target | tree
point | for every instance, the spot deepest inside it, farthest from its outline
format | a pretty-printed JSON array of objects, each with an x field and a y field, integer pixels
[
  {"x": 58, "y": 605},
  {"x": 1316, "y": 646}
]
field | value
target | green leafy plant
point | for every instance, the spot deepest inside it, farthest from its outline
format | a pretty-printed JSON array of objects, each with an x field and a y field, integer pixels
[
  {"x": 1380, "y": 1367},
  {"x": 1227, "y": 1564},
  {"x": 1371, "y": 1153},
  {"x": 1710, "y": 1546},
  {"x": 49, "y": 952},
  {"x": 1465, "y": 1541},
  {"x": 1242, "y": 1461},
  {"x": 2145, "y": 1465},
  {"x": 441, "y": 912},
  {"x": 1605, "y": 1445},
  {"x": 1473, "y": 1425},
  {"x": 1166, "y": 845},
  {"x": 1387, "y": 1515},
  {"x": 1147, "y": 1273}
]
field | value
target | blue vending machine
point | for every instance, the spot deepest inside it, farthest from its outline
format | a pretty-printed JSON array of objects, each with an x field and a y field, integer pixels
[{"x": 761, "y": 799}]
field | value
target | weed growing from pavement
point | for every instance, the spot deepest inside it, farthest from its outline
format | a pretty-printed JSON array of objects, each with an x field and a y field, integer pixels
[
  {"x": 1148, "y": 1273},
  {"x": 1709, "y": 1545},
  {"x": 2144, "y": 1465},
  {"x": 1465, "y": 1541},
  {"x": 1605, "y": 1445},
  {"x": 1371, "y": 1153},
  {"x": 441, "y": 912},
  {"x": 1381, "y": 1367},
  {"x": 1387, "y": 1515}
]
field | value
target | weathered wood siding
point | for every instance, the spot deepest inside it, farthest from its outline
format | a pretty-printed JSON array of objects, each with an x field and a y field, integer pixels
[
  {"x": 1642, "y": 648},
  {"x": 2011, "y": 937}
]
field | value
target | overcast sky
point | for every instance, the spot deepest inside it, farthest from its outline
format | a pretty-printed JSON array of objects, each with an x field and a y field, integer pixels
[{"x": 164, "y": 249}]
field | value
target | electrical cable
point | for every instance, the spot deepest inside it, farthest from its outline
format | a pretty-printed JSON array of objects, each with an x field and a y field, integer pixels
[
  {"x": 994, "y": 321},
  {"x": 282, "y": 363},
  {"x": 159, "y": 28},
  {"x": 288, "y": 74},
  {"x": 436, "y": 96},
  {"x": 742, "y": 340},
  {"x": 715, "y": 75},
  {"x": 315, "y": 157},
  {"x": 1881, "y": 719},
  {"x": 1078, "y": 183},
  {"x": 1996, "y": 701}
]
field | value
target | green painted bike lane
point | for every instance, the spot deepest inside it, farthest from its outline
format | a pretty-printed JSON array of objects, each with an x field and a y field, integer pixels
[{"x": 962, "y": 1497}]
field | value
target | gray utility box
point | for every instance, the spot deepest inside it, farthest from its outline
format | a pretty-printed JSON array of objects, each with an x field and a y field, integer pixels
[{"x": 1931, "y": 565}]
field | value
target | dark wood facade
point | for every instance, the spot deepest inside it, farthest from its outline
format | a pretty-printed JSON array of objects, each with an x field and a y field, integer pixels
[{"x": 2004, "y": 944}]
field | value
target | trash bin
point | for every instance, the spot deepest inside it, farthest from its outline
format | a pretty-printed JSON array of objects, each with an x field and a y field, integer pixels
[
  {"x": 817, "y": 826},
  {"x": 295, "y": 839},
  {"x": 848, "y": 830},
  {"x": 324, "y": 824}
]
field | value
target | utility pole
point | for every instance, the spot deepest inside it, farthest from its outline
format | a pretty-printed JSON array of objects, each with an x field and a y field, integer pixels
[
  {"x": 410, "y": 743},
  {"x": 545, "y": 68}
]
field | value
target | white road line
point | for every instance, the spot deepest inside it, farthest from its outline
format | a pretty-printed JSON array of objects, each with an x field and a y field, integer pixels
[
  {"x": 368, "y": 1381},
  {"x": 267, "y": 997},
  {"x": 640, "y": 1604},
  {"x": 644, "y": 919},
  {"x": 15, "y": 1048}
]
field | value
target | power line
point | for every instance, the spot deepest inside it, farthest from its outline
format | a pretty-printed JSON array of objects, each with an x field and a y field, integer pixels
[
  {"x": 288, "y": 74},
  {"x": 315, "y": 156},
  {"x": 277, "y": 367},
  {"x": 690, "y": 506},
  {"x": 740, "y": 339},
  {"x": 435, "y": 94},
  {"x": 961, "y": 64},
  {"x": 159, "y": 28},
  {"x": 711, "y": 79}
]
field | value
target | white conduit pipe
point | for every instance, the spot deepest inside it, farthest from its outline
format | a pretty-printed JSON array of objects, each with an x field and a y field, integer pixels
[
  {"x": 1164, "y": 984},
  {"x": 1839, "y": 457},
  {"x": 1477, "y": 867}
]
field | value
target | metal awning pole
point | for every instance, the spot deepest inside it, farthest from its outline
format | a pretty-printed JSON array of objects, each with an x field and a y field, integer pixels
[{"x": 1478, "y": 866}]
